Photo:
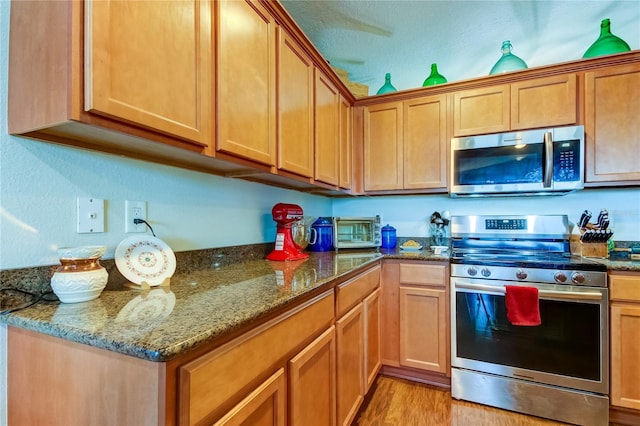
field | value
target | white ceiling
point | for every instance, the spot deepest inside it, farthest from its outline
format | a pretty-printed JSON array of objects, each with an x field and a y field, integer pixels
[{"x": 369, "y": 38}]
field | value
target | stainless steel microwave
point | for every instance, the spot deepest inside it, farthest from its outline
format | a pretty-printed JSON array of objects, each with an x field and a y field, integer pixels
[
  {"x": 357, "y": 232},
  {"x": 532, "y": 162}
]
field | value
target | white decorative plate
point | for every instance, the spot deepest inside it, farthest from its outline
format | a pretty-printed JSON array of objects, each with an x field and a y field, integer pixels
[
  {"x": 411, "y": 248},
  {"x": 145, "y": 259}
]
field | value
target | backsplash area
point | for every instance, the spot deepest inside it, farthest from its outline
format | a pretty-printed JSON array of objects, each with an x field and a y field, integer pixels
[{"x": 410, "y": 214}]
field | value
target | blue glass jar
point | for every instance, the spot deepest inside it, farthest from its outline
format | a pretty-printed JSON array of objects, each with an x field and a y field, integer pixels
[{"x": 389, "y": 238}]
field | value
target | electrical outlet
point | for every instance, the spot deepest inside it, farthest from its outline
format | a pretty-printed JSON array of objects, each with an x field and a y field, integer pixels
[
  {"x": 135, "y": 210},
  {"x": 90, "y": 215}
]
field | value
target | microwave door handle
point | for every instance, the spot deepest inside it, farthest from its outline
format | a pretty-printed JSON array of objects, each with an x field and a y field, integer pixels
[{"x": 548, "y": 159}]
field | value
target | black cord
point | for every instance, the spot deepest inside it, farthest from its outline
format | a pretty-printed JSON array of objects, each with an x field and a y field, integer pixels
[
  {"x": 138, "y": 221},
  {"x": 34, "y": 298}
]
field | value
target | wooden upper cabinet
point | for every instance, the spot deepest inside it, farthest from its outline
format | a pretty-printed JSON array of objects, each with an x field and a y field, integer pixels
[
  {"x": 150, "y": 63},
  {"x": 346, "y": 141},
  {"x": 425, "y": 143},
  {"x": 540, "y": 102},
  {"x": 405, "y": 144},
  {"x": 383, "y": 153},
  {"x": 327, "y": 131},
  {"x": 612, "y": 126},
  {"x": 295, "y": 107},
  {"x": 246, "y": 81},
  {"x": 480, "y": 111},
  {"x": 113, "y": 75}
]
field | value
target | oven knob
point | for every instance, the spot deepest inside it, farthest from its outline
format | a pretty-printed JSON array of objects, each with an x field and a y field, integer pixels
[
  {"x": 485, "y": 272},
  {"x": 520, "y": 274},
  {"x": 472, "y": 271},
  {"x": 577, "y": 278},
  {"x": 560, "y": 277}
]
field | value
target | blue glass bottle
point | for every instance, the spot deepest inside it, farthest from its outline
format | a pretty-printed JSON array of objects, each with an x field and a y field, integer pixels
[
  {"x": 387, "y": 87},
  {"x": 508, "y": 62}
]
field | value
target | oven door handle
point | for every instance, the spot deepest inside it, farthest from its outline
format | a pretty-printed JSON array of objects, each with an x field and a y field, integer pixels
[{"x": 568, "y": 295}]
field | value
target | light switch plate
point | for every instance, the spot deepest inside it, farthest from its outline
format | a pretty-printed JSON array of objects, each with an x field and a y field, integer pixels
[{"x": 90, "y": 215}]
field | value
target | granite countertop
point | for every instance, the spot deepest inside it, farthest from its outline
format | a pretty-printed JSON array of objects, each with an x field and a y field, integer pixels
[
  {"x": 198, "y": 307},
  {"x": 205, "y": 304}
]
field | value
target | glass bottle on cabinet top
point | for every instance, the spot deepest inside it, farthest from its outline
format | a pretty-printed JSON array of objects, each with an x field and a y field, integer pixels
[
  {"x": 435, "y": 77},
  {"x": 508, "y": 62},
  {"x": 607, "y": 43},
  {"x": 387, "y": 87}
]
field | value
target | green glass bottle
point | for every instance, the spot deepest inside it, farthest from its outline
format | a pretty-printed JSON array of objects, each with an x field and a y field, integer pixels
[
  {"x": 435, "y": 77},
  {"x": 607, "y": 43},
  {"x": 387, "y": 87},
  {"x": 508, "y": 62}
]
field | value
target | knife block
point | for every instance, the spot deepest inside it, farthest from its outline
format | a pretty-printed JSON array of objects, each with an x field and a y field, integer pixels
[{"x": 579, "y": 248}]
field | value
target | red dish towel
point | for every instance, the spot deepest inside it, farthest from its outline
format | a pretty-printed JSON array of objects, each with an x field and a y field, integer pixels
[{"x": 522, "y": 305}]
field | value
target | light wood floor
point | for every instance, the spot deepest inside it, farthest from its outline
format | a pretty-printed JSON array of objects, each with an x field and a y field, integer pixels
[{"x": 397, "y": 402}]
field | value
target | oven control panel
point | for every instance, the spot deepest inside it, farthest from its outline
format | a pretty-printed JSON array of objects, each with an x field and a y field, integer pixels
[{"x": 502, "y": 224}]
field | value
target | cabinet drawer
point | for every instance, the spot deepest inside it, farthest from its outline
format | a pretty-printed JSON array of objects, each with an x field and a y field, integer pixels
[
  {"x": 217, "y": 378},
  {"x": 419, "y": 273},
  {"x": 355, "y": 290},
  {"x": 624, "y": 287}
]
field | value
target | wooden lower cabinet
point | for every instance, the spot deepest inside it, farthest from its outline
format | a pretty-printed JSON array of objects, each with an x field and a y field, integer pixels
[
  {"x": 423, "y": 318},
  {"x": 211, "y": 385},
  {"x": 415, "y": 326},
  {"x": 357, "y": 341},
  {"x": 625, "y": 340},
  {"x": 265, "y": 406},
  {"x": 312, "y": 388},
  {"x": 372, "y": 338},
  {"x": 350, "y": 355}
]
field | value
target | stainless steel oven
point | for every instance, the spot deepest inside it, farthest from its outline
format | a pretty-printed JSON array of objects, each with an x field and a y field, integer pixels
[{"x": 557, "y": 369}]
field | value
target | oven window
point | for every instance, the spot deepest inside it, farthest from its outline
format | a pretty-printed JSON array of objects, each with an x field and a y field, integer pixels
[
  {"x": 355, "y": 231},
  {"x": 498, "y": 165},
  {"x": 566, "y": 343}
]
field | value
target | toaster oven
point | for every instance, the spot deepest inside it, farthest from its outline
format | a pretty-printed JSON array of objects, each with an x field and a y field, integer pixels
[{"x": 357, "y": 232}]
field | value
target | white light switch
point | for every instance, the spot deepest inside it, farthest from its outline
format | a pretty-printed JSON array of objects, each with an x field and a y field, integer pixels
[{"x": 90, "y": 214}]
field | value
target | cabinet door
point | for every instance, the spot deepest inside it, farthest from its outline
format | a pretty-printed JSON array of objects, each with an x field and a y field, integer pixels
[
  {"x": 246, "y": 81},
  {"x": 295, "y": 107},
  {"x": 312, "y": 391},
  {"x": 612, "y": 127},
  {"x": 265, "y": 406},
  {"x": 481, "y": 111},
  {"x": 350, "y": 377},
  {"x": 383, "y": 154},
  {"x": 327, "y": 119},
  {"x": 345, "y": 144},
  {"x": 625, "y": 355},
  {"x": 390, "y": 313},
  {"x": 542, "y": 102},
  {"x": 150, "y": 63},
  {"x": 372, "y": 359},
  {"x": 425, "y": 143},
  {"x": 423, "y": 328}
]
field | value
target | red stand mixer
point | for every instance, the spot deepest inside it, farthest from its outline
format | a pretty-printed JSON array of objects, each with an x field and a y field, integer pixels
[{"x": 285, "y": 215}]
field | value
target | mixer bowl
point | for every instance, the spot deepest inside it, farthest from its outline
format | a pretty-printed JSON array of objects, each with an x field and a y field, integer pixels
[{"x": 301, "y": 231}]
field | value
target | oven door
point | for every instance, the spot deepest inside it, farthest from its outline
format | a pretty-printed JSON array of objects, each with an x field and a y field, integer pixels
[{"x": 569, "y": 348}]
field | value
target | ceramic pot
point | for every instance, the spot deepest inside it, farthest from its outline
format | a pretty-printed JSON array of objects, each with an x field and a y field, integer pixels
[{"x": 80, "y": 277}]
